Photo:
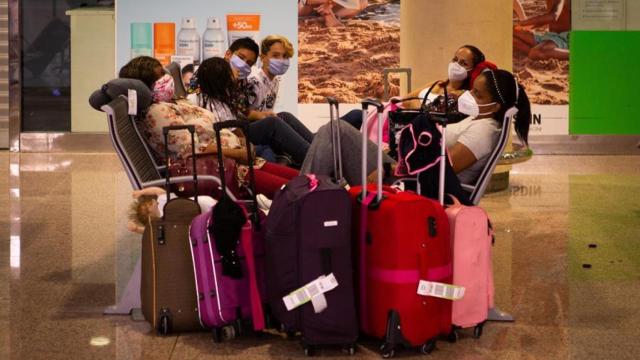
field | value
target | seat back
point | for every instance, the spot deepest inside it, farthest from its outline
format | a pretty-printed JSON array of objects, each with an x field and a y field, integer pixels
[
  {"x": 174, "y": 70},
  {"x": 478, "y": 189},
  {"x": 136, "y": 160}
]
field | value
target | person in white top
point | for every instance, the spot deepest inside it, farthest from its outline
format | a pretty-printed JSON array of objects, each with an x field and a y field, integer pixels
[{"x": 470, "y": 141}]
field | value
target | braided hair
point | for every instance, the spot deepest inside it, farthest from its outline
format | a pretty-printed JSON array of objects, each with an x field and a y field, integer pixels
[
  {"x": 505, "y": 90},
  {"x": 215, "y": 81}
]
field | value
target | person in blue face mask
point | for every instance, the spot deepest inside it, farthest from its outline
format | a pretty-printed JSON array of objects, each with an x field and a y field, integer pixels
[
  {"x": 275, "y": 55},
  {"x": 264, "y": 82}
]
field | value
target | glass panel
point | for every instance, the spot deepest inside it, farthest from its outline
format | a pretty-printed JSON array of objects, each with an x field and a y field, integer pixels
[{"x": 46, "y": 64}]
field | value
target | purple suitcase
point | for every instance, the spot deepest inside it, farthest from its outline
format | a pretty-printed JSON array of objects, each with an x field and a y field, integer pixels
[
  {"x": 308, "y": 234},
  {"x": 225, "y": 300}
]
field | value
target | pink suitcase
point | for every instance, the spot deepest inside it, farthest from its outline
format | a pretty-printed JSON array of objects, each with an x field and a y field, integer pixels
[
  {"x": 471, "y": 238},
  {"x": 228, "y": 298}
]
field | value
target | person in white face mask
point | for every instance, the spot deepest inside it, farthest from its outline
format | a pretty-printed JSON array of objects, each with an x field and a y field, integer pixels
[
  {"x": 470, "y": 141},
  {"x": 466, "y": 64}
]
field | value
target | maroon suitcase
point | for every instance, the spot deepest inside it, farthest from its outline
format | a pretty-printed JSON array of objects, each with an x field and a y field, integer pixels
[{"x": 308, "y": 234}]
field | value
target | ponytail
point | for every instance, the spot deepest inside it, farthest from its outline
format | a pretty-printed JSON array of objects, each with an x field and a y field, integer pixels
[
  {"x": 506, "y": 90},
  {"x": 523, "y": 117}
]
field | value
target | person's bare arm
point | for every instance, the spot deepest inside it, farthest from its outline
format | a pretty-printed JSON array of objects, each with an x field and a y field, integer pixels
[
  {"x": 519, "y": 10},
  {"x": 240, "y": 154},
  {"x": 461, "y": 157},
  {"x": 552, "y": 15},
  {"x": 415, "y": 104},
  {"x": 259, "y": 115},
  {"x": 154, "y": 190}
]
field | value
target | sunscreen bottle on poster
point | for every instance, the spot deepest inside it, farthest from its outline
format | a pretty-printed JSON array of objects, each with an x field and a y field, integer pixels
[
  {"x": 141, "y": 40},
  {"x": 213, "y": 40},
  {"x": 164, "y": 42},
  {"x": 189, "y": 40}
]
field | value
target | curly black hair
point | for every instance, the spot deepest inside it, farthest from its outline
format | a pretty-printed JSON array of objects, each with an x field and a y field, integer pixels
[{"x": 215, "y": 80}]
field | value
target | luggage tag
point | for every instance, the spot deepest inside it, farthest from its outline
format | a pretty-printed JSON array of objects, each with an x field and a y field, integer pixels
[
  {"x": 132, "y": 98},
  {"x": 314, "y": 292},
  {"x": 440, "y": 290}
]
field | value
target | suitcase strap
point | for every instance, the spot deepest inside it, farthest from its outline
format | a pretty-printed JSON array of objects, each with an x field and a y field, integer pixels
[
  {"x": 257, "y": 313},
  {"x": 436, "y": 274}
]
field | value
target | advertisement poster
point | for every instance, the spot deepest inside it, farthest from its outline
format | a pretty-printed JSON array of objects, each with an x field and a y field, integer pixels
[
  {"x": 190, "y": 31},
  {"x": 344, "y": 47},
  {"x": 541, "y": 61}
]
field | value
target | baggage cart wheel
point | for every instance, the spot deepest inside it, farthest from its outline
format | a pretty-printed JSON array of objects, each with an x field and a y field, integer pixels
[
  {"x": 453, "y": 336},
  {"x": 387, "y": 351},
  {"x": 428, "y": 347},
  {"x": 217, "y": 335},
  {"x": 477, "y": 331},
  {"x": 163, "y": 325}
]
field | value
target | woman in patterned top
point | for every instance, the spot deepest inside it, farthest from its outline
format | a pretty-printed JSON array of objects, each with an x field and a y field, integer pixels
[{"x": 165, "y": 111}]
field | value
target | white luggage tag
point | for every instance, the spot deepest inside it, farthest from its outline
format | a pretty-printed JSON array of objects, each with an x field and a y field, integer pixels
[
  {"x": 314, "y": 292},
  {"x": 132, "y": 98},
  {"x": 440, "y": 290}
]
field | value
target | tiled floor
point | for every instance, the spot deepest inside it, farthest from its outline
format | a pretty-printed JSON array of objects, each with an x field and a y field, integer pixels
[{"x": 65, "y": 254}]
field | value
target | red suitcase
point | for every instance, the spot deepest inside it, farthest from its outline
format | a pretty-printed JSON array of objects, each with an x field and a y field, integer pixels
[{"x": 402, "y": 238}]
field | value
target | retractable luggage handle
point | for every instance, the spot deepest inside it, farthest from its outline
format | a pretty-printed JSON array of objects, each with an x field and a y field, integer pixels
[
  {"x": 385, "y": 74},
  {"x": 255, "y": 218},
  {"x": 165, "y": 132},
  {"x": 336, "y": 140},
  {"x": 443, "y": 123},
  {"x": 380, "y": 108}
]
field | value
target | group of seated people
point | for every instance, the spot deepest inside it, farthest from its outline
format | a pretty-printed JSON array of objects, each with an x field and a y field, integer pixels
[{"x": 233, "y": 87}]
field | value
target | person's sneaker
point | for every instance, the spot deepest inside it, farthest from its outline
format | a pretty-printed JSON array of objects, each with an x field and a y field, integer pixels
[{"x": 264, "y": 203}]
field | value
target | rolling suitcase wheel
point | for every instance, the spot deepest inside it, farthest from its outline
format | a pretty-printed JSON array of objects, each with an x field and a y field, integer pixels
[
  {"x": 309, "y": 350},
  {"x": 477, "y": 331},
  {"x": 453, "y": 336},
  {"x": 428, "y": 347},
  {"x": 217, "y": 335},
  {"x": 163, "y": 325},
  {"x": 350, "y": 349},
  {"x": 387, "y": 351}
]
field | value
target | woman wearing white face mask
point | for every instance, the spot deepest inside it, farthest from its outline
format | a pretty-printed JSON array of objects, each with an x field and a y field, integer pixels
[
  {"x": 472, "y": 140},
  {"x": 466, "y": 64}
]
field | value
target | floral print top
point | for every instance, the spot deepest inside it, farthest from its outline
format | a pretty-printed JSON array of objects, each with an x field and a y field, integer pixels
[{"x": 181, "y": 112}]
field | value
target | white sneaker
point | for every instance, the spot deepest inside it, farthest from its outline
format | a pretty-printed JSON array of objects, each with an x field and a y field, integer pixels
[{"x": 264, "y": 203}]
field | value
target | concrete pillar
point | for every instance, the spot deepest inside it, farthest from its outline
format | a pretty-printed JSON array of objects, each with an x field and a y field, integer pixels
[{"x": 433, "y": 30}]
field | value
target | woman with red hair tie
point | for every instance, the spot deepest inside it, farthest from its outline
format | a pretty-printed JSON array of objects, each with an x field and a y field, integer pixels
[{"x": 467, "y": 64}]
